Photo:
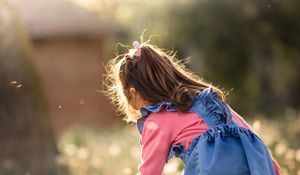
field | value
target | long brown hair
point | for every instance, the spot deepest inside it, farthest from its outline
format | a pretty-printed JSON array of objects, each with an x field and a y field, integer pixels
[{"x": 157, "y": 76}]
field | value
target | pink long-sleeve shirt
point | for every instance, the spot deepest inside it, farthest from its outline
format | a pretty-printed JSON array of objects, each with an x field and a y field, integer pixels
[{"x": 163, "y": 129}]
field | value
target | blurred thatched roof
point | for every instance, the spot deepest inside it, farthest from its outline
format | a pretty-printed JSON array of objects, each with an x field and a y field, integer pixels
[{"x": 60, "y": 18}]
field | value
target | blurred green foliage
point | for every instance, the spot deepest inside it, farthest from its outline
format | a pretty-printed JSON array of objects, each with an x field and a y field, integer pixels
[{"x": 251, "y": 47}]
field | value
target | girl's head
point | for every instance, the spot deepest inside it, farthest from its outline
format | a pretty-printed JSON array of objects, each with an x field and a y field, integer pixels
[{"x": 147, "y": 75}]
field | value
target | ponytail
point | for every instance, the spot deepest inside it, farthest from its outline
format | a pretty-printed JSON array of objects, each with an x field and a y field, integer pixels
[
  {"x": 182, "y": 98},
  {"x": 156, "y": 76}
]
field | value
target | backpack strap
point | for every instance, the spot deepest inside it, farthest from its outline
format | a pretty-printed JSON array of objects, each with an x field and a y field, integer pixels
[{"x": 212, "y": 108}]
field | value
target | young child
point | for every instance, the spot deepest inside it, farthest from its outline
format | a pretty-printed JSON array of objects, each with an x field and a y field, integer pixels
[{"x": 177, "y": 113}]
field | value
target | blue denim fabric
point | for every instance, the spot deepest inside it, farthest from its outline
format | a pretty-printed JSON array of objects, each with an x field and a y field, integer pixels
[{"x": 225, "y": 148}]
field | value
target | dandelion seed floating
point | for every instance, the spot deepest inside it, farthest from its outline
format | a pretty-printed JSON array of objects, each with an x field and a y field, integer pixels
[{"x": 13, "y": 82}]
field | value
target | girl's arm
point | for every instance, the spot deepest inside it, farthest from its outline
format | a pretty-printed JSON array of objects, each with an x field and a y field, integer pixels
[
  {"x": 241, "y": 122},
  {"x": 155, "y": 149}
]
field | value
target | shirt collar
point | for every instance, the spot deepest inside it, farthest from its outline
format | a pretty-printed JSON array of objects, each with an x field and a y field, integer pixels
[{"x": 147, "y": 110}]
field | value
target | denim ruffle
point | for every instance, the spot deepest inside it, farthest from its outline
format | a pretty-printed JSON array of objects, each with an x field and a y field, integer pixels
[
  {"x": 226, "y": 130},
  {"x": 209, "y": 103},
  {"x": 221, "y": 131}
]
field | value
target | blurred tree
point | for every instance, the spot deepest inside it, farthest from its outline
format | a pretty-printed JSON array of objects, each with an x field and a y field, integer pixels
[
  {"x": 251, "y": 47},
  {"x": 26, "y": 141}
]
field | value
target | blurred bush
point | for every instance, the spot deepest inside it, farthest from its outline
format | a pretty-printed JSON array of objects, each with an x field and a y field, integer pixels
[{"x": 251, "y": 47}]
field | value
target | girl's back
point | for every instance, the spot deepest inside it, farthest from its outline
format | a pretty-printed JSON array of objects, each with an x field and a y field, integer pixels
[{"x": 179, "y": 114}]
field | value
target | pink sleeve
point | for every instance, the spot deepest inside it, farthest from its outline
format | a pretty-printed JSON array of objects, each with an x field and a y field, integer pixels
[
  {"x": 241, "y": 122},
  {"x": 155, "y": 148}
]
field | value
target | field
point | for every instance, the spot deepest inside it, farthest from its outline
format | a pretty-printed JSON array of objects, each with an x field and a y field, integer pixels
[{"x": 117, "y": 151}]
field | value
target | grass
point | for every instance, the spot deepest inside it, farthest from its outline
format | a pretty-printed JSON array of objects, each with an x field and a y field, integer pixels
[{"x": 87, "y": 151}]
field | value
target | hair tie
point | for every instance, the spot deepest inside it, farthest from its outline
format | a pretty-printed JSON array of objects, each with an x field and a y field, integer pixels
[
  {"x": 136, "y": 51},
  {"x": 137, "y": 46}
]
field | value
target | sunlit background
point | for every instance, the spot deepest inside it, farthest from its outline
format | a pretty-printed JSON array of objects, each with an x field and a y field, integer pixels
[{"x": 54, "y": 119}]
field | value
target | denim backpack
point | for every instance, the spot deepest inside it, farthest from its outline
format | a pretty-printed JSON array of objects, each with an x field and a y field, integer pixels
[{"x": 225, "y": 148}]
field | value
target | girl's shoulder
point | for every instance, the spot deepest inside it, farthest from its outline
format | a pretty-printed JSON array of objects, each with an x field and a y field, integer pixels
[
  {"x": 162, "y": 119},
  {"x": 171, "y": 116},
  {"x": 172, "y": 120}
]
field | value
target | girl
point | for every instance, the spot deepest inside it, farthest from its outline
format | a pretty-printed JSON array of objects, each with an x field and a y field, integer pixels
[{"x": 179, "y": 114}]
